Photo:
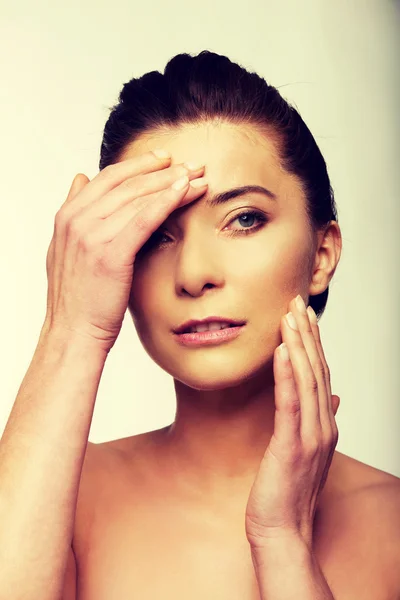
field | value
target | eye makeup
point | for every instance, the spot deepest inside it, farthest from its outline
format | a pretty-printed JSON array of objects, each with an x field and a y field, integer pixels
[
  {"x": 259, "y": 216},
  {"x": 262, "y": 219}
]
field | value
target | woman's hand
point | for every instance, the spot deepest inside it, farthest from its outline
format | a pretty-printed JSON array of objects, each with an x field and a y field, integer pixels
[
  {"x": 98, "y": 231},
  {"x": 295, "y": 465}
]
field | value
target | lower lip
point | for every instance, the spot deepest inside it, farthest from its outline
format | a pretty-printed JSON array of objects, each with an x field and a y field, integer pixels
[{"x": 208, "y": 338}]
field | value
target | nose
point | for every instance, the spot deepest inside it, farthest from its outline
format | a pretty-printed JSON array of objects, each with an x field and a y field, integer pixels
[{"x": 197, "y": 268}]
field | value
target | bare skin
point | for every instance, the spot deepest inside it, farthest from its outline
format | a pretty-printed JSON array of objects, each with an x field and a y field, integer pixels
[
  {"x": 140, "y": 532},
  {"x": 162, "y": 514}
]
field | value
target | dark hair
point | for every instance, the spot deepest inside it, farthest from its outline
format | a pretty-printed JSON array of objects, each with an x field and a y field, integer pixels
[{"x": 209, "y": 86}]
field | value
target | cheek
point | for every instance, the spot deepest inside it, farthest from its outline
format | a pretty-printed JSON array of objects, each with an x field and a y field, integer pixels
[
  {"x": 270, "y": 276},
  {"x": 139, "y": 290},
  {"x": 145, "y": 298}
]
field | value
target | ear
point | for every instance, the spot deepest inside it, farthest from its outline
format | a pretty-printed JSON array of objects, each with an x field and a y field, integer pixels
[
  {"x": 329, "y": 248},
  {"x": 335, "y": 403}
]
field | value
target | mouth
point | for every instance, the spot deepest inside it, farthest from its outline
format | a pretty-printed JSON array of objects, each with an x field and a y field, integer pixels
[
  {"x": 210, "y": 337},
  {"x": 211, "y": 324}
]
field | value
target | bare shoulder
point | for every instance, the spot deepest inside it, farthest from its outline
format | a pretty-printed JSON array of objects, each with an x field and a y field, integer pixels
[
  {"x": 365, "y": 489},
  {"x": 129, "y": 445},
  {"x": 105, "y": 464},
  {"x": 357, "y": 479},
  {"x": 134, "y": 452},
  {"x": 98, "y": 475},
  {"x": 102, "y": 461},
  {"x": 108, "y": 469},
  {"x": 362, "y": 516},
  {"x": 102, "y": 456},
  {"x": 377, "y": 500}
]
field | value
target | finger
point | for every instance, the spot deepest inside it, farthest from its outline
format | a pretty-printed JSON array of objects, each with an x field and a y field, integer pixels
[
  {"x": 78, "y": 183},
  {"x": 108, "y": 229},
  {"x": 136, "y": 188},
  {"x": 314, "y": 348},
  {"x": 303, "y": 352},
  {"x": 129, "y": 233},
  {"x": 309, "y": 341},
  {"x": 330, "y": 404},
  {"x": 113, "y": 175},
  {"x": 330, "y": 430},
  {"x": 287, "y": 402}
]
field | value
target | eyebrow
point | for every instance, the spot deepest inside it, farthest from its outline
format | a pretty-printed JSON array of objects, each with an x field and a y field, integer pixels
[{"x": 228, "y": 195}]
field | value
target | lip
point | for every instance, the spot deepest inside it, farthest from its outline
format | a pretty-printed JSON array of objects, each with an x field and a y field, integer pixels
[
  {"x": 192, "y": 322},
  {"x": 208, "y": 338}
]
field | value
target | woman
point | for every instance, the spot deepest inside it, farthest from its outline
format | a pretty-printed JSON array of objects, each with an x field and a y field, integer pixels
[{"x": 243, "y": 496}]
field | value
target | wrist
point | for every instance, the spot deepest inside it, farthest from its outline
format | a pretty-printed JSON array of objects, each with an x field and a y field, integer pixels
[
  {"x": 285, "y": 548},
  {"x": 65, "y": 341}
]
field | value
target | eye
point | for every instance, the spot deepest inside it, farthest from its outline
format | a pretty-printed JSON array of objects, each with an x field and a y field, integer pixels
[
  {"x": 247, "y": 217},
  {"x": 159, "y": 238}
]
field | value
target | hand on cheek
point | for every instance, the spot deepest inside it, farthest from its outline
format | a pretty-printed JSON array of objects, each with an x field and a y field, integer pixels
[{"x": 295, "y": 465}]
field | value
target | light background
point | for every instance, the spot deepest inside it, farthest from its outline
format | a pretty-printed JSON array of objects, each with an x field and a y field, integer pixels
[{"x": 63, "y": 66}]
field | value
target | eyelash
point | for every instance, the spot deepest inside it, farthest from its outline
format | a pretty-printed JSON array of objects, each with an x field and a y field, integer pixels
[
  {"x": 252, "y": 213},
  {"x": 245, "y": 231}
]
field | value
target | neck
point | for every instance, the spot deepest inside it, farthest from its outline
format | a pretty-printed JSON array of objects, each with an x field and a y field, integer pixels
[{"x": 218, "y": 438}]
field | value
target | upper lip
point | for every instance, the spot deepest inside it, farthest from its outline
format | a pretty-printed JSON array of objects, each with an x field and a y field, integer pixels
[{"x": 188, "y": 324}]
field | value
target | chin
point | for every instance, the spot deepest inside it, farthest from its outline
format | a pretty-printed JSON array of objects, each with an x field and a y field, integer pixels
[
  {"x": 209, "y": 384},
  {"x": 213, "y": 374},
  {"x": 210, "y": 369}
]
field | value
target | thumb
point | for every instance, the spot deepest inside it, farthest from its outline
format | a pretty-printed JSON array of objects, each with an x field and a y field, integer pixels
[{"x": 78, "y": 183}]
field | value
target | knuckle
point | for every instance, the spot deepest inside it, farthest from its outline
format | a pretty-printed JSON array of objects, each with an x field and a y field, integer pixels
[
  {"x": 335, "y": 434},
  {"x": 308, "y": 327},
  {"x": 293, "y": 405},
  {"x": 108, "y": 172},
  {"x": 91, "y": 242},
  {"x": 131, "y": 184},
  {"x": 319, "y": 369},
  {"x": 327, "y": 440},
  {"x": 295, "y": 452},
  {"x": 77, "y": 234},
  {"x": 88, "y": 242},
  {"x": 60, "y": 219},
  {"x": 312, "y": 447},
  {"x": 142, "y": 223},
  {"x": 311, "y": 383},
  {"x": 74, "y": 228},
  {"x": 327, "y": 373}
]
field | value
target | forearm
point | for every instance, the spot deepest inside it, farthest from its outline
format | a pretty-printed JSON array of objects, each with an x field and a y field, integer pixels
[
  {"x": 288, "y": 570},
  {"x": 42, "y": 450}
]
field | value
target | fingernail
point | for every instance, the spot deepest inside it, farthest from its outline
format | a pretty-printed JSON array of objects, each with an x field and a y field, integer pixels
[
  {"x": 198, "y": 183},
  {"x": 284, "y": 351},
  {"x": 161, "y": 153},
  {"x": 300, "y": 304},
  {"x": 180, "y": 183},
  {"x": 292, "y": 321},
  {"x": 192, "y": 166}
]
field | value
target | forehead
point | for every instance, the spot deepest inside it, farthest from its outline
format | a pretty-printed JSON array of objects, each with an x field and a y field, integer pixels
[{"x": 233, "y": 155}]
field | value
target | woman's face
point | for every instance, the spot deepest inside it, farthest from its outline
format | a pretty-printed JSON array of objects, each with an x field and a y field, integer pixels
[{"x": 202, "y": 263}]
